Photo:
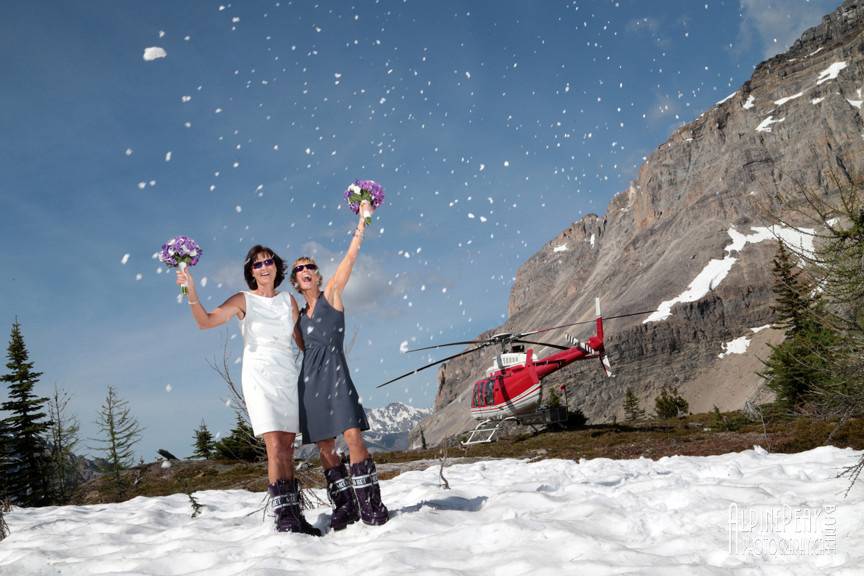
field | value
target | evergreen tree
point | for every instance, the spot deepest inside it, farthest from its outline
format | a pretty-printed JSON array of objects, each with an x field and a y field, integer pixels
[
  {"x": 553, "y": 400},
  {"x": 791, "y": 293},
  {"x": 670, "y": 404},
  {"x": 121, "y": 433},
  {"x": 803, "y": 359},
  {"x": 25, "y": 465},
  {"x": 5, "y": 458},
  {"x": 62, "y": 440},
  {"x": 203, "y": 442},
  {"x": 840, "y": 260},
  {"x": 632, "y": 411},
  {"x": 241, "y": 444},
  {"x": 837, "y": 364}
]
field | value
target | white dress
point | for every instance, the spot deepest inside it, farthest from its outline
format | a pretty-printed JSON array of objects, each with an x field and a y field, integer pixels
[{"x": 270, "y": 364}]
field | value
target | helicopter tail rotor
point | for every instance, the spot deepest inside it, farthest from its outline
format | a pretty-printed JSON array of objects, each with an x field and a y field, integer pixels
[
  {"x": 607, "y": 366},
  {"x": 604, "y": 358}
]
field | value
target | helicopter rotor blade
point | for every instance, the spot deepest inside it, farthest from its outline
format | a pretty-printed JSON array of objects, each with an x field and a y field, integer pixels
[
  {"x": 521, "y": 334},
  {"x": 433, "y": 364},
  {"x": 448, "y": 344},
  {"x": 558, "y": 346}
]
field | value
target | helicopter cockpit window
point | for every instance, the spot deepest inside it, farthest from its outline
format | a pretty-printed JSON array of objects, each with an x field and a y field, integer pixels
[
  {"x": 476, "y": 399},
  {"x": 490, "y": 398}
]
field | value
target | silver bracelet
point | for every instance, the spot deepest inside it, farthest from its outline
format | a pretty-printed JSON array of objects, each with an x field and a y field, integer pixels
[{"x": 195, "y": 302}]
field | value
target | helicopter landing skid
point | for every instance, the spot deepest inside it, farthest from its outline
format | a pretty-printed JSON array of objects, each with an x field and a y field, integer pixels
[{"x": 485, "y": 431}]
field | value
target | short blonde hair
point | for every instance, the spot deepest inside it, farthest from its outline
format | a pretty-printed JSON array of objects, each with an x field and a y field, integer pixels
[{"x": 301, "y": 260}]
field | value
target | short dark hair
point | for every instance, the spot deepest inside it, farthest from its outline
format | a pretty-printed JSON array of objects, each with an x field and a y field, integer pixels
[{"x": 250, "y": 259}]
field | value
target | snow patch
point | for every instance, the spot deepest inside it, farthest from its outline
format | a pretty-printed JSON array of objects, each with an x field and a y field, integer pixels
[
  {"x": 855, "y": 103},
  {"x": 672, "y": 515},
  {"x": 817, "y": 100},
  {"x": 737, "y": 346},
  {"x": 561, "y": 248},
  {"x": 727, "y": 98},
  {"x": 831, "y": 72},
  {"x": 799, "y": 240},
  {"x": 782, "y": 101},
  {"x": 749, "y": 103},
  {"x": 765, "y": 125}
]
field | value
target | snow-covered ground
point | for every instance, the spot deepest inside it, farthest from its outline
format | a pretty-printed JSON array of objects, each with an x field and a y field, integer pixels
[{"x": 746, "y": 513}]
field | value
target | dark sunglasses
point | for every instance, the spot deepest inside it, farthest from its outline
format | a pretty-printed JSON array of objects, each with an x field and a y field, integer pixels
[
  {"x": 262, "y": 263},
  {"x": 301, "y": 267}
]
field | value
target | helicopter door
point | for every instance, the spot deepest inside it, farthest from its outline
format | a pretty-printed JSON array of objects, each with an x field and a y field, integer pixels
[{"x": 484, "y": 393}]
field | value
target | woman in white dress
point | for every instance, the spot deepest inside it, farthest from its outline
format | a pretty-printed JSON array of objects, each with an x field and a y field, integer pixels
[{"x": 270, "y": 370}]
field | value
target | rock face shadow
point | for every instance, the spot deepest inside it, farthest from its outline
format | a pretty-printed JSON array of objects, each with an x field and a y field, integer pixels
[{"x": 451, "y": 503}]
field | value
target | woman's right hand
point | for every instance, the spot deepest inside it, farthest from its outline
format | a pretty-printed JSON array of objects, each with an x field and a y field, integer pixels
[{"x": 185, "y": 277}]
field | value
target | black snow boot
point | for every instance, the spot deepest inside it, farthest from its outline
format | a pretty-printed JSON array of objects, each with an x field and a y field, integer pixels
[
  {"x": 365, "y": 480},
  {"x": 285, "y": 495},
  {"x": 342, "y": 497}
]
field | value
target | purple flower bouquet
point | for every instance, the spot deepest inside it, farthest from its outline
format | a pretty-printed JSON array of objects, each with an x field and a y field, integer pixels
[
  {"x": 361, "y": 190},
  {"x": 180, "y": 252}
]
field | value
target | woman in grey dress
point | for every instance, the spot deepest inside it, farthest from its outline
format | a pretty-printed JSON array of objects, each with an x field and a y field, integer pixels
[{"x": 329, "y": 403}]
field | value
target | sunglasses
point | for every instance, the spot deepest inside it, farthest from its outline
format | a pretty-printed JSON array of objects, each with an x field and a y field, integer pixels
[
  {"x": 300, "y": 267},
  {"x": 262, "y": 263}
]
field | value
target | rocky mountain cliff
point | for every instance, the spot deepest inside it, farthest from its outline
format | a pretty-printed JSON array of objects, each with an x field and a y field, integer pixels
[{"x": 692, "y": 238}]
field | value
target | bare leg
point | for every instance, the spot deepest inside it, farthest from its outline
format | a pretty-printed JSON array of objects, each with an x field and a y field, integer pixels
[
  {"x": 280, "y": 455},
  {"x": 327, "y": 453},
  {"x": 356, "y": 447}
]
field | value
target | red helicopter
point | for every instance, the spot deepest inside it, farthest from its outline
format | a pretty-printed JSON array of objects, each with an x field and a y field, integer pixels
[{"x": 511, "y": 388}]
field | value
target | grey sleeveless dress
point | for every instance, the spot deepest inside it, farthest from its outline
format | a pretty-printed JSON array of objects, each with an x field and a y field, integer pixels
[{"x": 329, "y": 403}]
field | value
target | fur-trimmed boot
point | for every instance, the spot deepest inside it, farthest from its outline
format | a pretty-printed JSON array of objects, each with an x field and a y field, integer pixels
[
  {"x": 341, "y": 495},
  {"x": 285, "y": 496},
  {"x": 364, "y": 477}
]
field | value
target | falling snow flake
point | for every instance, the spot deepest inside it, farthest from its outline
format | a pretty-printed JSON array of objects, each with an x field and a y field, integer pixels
[{"x": 154, "y": 53}]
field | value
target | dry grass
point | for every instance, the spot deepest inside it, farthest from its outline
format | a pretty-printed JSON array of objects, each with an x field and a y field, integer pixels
[{"x": 696, "y": 435}]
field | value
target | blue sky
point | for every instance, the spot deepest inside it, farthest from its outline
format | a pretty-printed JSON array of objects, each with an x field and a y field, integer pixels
[{"x": 492, "y": 126}]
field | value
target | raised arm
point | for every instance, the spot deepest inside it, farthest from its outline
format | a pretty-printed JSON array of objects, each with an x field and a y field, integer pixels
[
  {"x": 336, "y": 284},
  {"x": 233, "y": 306}
]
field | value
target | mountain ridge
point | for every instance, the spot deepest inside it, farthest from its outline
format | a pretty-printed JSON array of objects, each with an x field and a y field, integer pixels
[{"x": 795, "y": 124}]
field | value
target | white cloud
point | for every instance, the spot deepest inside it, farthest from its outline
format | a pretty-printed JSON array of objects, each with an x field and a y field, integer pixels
[
  {"x": 369, "y": 287},
  {"x": 776, "y": 24}
]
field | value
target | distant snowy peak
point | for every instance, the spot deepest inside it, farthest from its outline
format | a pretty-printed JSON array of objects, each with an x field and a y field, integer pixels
[{"x": 395, "y": 417}]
